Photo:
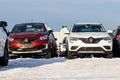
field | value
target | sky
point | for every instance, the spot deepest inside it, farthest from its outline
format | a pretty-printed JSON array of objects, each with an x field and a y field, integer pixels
[{"x": 61, "y": 12}]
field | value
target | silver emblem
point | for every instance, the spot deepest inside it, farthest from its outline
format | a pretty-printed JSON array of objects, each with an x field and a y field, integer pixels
[
  {"x": 26, "y": 40},
  {"x": 90, "y": 39}
]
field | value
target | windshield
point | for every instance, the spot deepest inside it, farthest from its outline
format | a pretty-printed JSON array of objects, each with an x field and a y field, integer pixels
[
  {"x": 29, "y": 28},
  {"x": 88, "y": 28}
]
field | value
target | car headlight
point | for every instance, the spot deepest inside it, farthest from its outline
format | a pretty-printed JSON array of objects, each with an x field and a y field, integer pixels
[
  {"x": 107, "y": 38},
  {"x": 74, "y": 38},
  {"x": 10, "y": 39},
  {"x": 43, "y": 37}
]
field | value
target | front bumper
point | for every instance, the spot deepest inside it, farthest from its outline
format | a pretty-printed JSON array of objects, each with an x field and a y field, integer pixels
[
  {"x": 81, "y": 47},
  {"x": 39, "y": 49}
]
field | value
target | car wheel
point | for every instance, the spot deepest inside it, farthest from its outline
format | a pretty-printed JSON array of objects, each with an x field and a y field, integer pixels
[
  {"x": 55, "y": 53},
  {"x": 52, "y": 53},
  {"x": 48, "y": 55},
  {"x": 70, "y": 55},
  {"x": 116, "y": 53},
  {"x": 4, "y": 59},
  {"x": 110, "y": 55},
  {"x": 82, "y": 55}
]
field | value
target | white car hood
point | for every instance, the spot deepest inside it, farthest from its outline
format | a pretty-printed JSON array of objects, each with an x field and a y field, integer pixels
[{"x": 89, "y": 34}]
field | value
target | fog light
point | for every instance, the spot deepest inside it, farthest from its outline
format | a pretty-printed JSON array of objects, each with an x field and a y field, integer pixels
[
  {"x": 107, "y": 47},
  {"x": 74, "y": 47}
]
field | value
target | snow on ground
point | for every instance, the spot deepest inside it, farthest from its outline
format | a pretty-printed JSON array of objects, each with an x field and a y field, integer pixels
[{"x": 61, "y": 69}]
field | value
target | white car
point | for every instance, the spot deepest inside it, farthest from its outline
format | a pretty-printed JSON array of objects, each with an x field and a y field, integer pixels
[
  {"x": 63, "y": 47},
  {"x": 89, "y": 39},
  {"x": 3, "y": 44}
]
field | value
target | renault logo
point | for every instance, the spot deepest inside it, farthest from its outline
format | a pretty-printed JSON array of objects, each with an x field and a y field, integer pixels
[
  {"x": 90, "y": 39},
  {"x": 26, "y": 40}
]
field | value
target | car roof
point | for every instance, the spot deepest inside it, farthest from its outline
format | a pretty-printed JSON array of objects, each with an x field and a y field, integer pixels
[
  {"x": 28, "y": 23},
  {"x": 84, "y": 23}
]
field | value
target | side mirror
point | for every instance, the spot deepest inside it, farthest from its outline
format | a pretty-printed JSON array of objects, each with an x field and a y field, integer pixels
[
  {"x": 3, "y": 23},
  {"x": 50, "y": 31}
]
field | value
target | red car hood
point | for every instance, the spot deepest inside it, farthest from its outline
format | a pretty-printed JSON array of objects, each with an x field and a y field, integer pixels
[{"x": 27, "y": 34}]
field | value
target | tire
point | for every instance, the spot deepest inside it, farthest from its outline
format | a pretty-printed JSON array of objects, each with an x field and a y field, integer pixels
[
  {"x": 70, "y": 55},
  {"x": 4, "y": 59},
  {"x": 110, "y": 55},
  {"x": 62, "y": 54},
  {"x": 82, "y": 55},
  {"x": 116, "y": 49},
  {"x": 48, "y": 55},
  {"x": 116, "y": 53},
  {"x": 55, "y": 53}
]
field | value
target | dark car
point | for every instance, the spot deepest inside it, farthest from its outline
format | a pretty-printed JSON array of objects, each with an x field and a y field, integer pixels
[
  {"x": 31, "y": 39},
  {"x": 116, "y": 42}
]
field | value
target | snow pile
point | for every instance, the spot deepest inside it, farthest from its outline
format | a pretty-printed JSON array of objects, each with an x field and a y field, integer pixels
[{"x": 61, "y": 69}]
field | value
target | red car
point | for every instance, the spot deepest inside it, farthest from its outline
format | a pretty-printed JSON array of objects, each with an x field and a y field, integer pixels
[{"x": 32, "y": 39}]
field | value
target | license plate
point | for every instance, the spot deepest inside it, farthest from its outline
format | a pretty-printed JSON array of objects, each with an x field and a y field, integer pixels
[{"x": 26, "y": 46}]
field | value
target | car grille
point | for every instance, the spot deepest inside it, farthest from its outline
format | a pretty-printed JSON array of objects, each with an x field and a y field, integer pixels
[
  {"x": 91, "y": 49},
  {"x": 26, "y": 40},
  {"x": 95, "y": 40}
]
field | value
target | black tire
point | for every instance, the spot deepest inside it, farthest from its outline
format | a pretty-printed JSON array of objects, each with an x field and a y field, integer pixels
[
  {"x": 70, "y": 55},
  {"x": 116, "y": 53},
  {"x": 48, "y": 55},
  {"x": 52, "y": 51},
  {"x": 82, "y": 55},
  {"x": 110, "y": 55},
  {"x": 4, "y": 59},
  {"x": 55, "y": 53},
  {"x": 62, "y": 54},
  {"x": 116, "y": 49}
]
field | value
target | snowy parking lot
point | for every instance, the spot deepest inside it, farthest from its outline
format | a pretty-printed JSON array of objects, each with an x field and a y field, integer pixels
[{"x": 61, "y": 69}]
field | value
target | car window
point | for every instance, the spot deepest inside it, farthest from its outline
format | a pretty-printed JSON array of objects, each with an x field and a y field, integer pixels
[
  {"x": 118, "y": 31},
  {"x": 88, "y": 28},
  {"x": 52, "y": 36},
  {"x": 29, "y": 28}
]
